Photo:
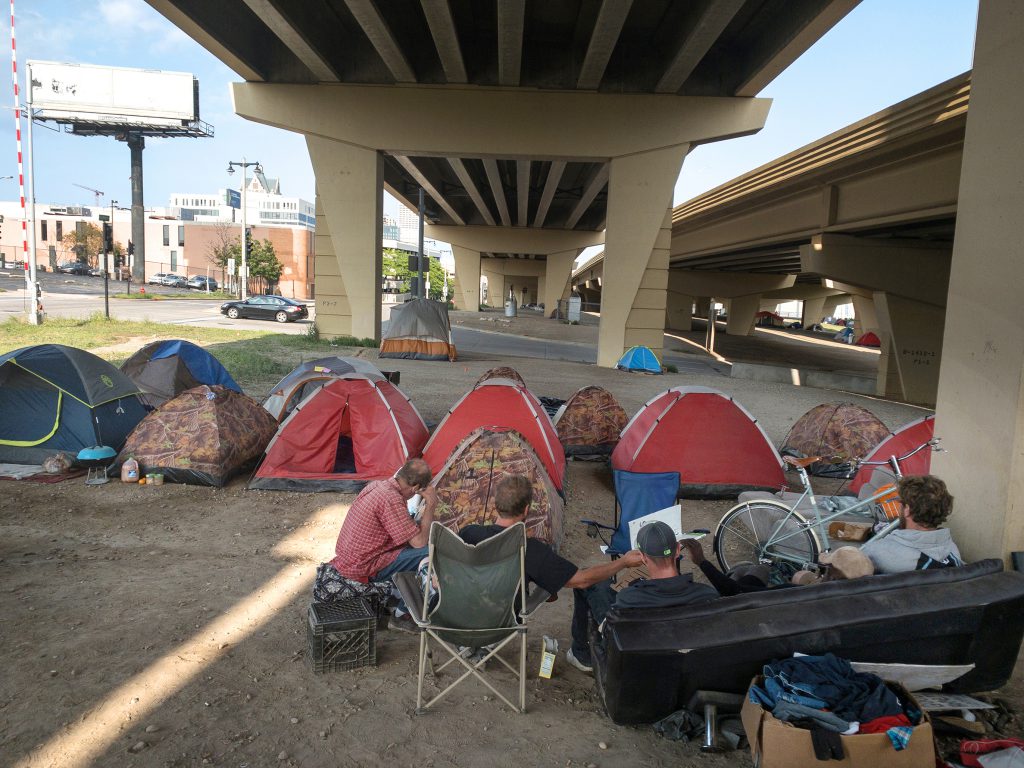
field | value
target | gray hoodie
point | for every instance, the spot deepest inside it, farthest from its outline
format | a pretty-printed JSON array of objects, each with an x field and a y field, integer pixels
[{"x": 901, "y": 550}]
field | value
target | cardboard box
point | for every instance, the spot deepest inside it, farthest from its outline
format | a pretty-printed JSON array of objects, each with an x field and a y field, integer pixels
[{"x": 777, "y": 744}]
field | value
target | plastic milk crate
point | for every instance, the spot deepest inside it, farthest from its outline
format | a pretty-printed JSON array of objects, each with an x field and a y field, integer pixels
[{"x": 341, "y": 636}]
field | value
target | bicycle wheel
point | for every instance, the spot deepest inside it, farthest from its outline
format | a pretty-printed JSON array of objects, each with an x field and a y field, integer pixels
[{"x": 767, "y": 532}]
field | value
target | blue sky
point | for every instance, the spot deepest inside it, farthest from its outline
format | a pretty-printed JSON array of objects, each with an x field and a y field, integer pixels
[{"x": 882, "y": 52}]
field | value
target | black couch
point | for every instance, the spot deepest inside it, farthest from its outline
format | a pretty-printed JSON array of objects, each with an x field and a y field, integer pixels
[{"x": 648, "y": 663}]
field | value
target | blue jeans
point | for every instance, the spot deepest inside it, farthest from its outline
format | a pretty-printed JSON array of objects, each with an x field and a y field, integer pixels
[
  {"x": 595, "y": 601},
  {"x": 408, "y": 560}
]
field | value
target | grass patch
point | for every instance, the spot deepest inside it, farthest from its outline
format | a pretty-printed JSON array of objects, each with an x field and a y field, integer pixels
[
  {"x": 201, "y": 295},
  {"x": 255, "y": 359}
]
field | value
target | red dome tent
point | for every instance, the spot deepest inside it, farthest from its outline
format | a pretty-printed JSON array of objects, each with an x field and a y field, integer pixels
[
  {"x": 900, "y": 442},
  {"x": 342, "y": 436},
  {"x": 869, "y": 339},
  {"x": 712, "y": 441},
  {"x": 498, "y": 403}
]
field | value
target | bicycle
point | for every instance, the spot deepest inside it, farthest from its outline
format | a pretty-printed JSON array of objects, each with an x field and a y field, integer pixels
[{"x": 775, "y": 534}]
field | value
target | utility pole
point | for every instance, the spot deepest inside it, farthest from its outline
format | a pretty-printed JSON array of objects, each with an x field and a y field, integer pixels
[{"x": 420, "y": 287}]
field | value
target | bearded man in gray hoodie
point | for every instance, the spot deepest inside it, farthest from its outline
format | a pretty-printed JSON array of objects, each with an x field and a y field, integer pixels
[{"x": 920, "y": 543}]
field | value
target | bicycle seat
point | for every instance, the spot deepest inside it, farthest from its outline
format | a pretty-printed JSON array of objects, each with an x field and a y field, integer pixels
[{"x": 793, "y": 461}]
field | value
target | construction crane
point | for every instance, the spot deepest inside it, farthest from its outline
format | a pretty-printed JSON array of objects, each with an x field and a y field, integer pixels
[{"x": 94, "y": 191}]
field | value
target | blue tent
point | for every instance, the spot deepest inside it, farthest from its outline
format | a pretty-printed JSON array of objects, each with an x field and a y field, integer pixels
[
  {"x": 165, "y": 369},
  {"x": 55, "y": 399},
  {"x": 639, "y": 359}
]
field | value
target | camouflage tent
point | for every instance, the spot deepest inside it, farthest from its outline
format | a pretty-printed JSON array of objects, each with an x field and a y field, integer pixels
[
  {"x": 201, "y": 437},
  {"x": 467, "y": 482},
  {"x": 838, "y": 431},
  {"x": 502, "y": 372},
  {"x": 590, "y": 422}
]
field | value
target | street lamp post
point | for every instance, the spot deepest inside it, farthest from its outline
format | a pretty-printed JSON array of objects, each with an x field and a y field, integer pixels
[{"x": 245, "y": 243}]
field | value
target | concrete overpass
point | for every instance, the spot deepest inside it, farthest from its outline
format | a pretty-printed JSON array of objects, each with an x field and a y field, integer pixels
[
  {"x": 515, "y": 105},
  {"x": 536, "y": 129},
  {"x": 866, "y": 214}
]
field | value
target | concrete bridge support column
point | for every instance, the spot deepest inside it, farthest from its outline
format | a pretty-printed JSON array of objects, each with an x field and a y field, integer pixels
[
  {"x": 467, "y": 278},
  {"x": 980, "y": 411},
  {"x": 865, "y": 318},
  {"x": 637, "y": 240},
  {"x": 497, "y": 291},
  {"x": 554, "y": 283},
  {"x": 742, "y": 310},
  {"x": 814, "y": 310},
  {"x": 349, "y": 222},
  {"x": 911, "y": 336},
  {"x": 679, "y": 304}
]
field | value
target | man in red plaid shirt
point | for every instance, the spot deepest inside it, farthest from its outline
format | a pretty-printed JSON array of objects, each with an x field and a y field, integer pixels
[{"x": 378, "y": 538}]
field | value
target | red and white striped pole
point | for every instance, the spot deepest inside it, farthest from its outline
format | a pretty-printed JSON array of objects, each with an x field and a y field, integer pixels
[{"x": 31, "y": 304}]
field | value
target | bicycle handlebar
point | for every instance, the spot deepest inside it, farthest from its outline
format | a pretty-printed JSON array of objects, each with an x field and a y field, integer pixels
[{"x": 933, "y": 444}]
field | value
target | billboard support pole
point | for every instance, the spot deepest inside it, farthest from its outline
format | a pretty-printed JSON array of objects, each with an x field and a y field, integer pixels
[{"x": 136, "y": 143}]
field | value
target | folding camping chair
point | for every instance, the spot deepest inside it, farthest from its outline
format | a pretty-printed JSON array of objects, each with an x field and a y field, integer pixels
[
  {"x": 636, "y": 494},
  {"x": 479, "y": 589}
]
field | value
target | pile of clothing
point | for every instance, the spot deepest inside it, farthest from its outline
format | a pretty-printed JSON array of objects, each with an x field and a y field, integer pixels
[{"x": 825, "y": 695}]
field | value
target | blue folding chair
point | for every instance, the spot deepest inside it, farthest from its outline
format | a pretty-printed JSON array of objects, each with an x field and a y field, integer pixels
[{"x": 636, "y": 494}]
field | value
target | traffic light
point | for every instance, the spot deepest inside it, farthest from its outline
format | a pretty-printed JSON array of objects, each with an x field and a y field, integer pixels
[
  {"x": 108, "y": 237},
  {"x": 131, "y": 248}
]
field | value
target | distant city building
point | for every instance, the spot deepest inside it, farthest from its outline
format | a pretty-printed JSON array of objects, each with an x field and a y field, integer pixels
[{"x": 391, "y": 231}]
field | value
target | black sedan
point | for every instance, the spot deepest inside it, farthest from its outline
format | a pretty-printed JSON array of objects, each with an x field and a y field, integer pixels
[{"x": 266, "y": 308}]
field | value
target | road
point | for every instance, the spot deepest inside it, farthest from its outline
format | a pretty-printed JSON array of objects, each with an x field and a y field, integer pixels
[{"x": 81, "y": 297}]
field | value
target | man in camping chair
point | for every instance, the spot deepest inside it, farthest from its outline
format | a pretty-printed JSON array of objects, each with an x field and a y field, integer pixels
[
  {"x": 547, "y": 569},
  {"x": 378, "y": 538}
]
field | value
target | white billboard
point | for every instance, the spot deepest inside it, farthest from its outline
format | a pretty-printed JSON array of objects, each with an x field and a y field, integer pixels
[{"x": 87, "y": 93}]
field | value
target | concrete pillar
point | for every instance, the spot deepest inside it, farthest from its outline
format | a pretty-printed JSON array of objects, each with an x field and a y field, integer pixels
[
  {"x": 467, "y": 278},
  {"x": 554, "y": 283},
  {"x": 495, "y": 287},
  {"x": 830, "y": 304},
  {"x": 702, "y": 306},
  {"x": 742, "y": 310},
  {"x": 637, "y": 239},
  {"x": 980, "y": 406},
  {"x": 865, "y": 318},
  {"x": 813, "y": 311},
  {"x": 678, "y": 304},
  {"x": 911, "y": 335},
  {"x": 349, "y": 220}
]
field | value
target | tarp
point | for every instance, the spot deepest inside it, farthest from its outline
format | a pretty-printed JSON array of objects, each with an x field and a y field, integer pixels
[
  {"x": 716, "y": 446},
  {"x": 639, "y": 359},
  {"x": 869, "y": 339},
  {"x": 203, "y": 436},
  {"x": 310, "y": 376},
  {"x": 842, "y": 431},
  {"x": 164, "y": 369},
  {"x": 498, "y": 403},
  {"x": 343, "y": 435},
  {"x": 901, "y": 442},
  {"x": 501, "y": 372},
  {"x": 467, "y": 482},
  {"x": 419, "y": 330},
  {"x": 55, "y": 398},
  {"x": 589, "y": 423}
]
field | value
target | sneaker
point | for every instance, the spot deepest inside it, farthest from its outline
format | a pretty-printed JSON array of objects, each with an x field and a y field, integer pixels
[
  {"x": 403, "y": 623},
  {"x": 586, "y": 668}
]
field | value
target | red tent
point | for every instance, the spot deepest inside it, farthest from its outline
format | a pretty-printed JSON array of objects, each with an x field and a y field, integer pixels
[
  {"x": 869, "y": 339},
  {"x": 902, "y": 441},
  {"x": 345, "y": 434},
  {"x": 498, "y": 403},
  {"x": 712, "y": 441}
]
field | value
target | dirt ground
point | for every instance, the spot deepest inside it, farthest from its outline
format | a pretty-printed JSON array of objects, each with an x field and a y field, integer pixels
[{"x": 165, "y": 626}]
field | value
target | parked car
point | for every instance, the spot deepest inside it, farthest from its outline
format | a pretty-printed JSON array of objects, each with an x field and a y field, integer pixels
[
  {"x": 74, "y": 268},
  {"x": 157, "y": 279},
  {"x": 175, "y": 281},
  {"x": 266, "y": 308},
  {"x": 201, "y": 282},
  {"x": 96, "y": 271}
]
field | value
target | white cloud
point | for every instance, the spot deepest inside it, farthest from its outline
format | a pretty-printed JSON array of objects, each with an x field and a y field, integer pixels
[{"x": 135, "y": 20}]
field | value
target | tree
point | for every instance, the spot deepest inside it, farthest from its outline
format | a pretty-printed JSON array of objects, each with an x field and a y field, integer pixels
[
  {"x": 225, "y": 245},
  {"x": 263, "y": 263},
  {"x": 85, "y": 242},
  {"x": 396, "y": 266}
]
